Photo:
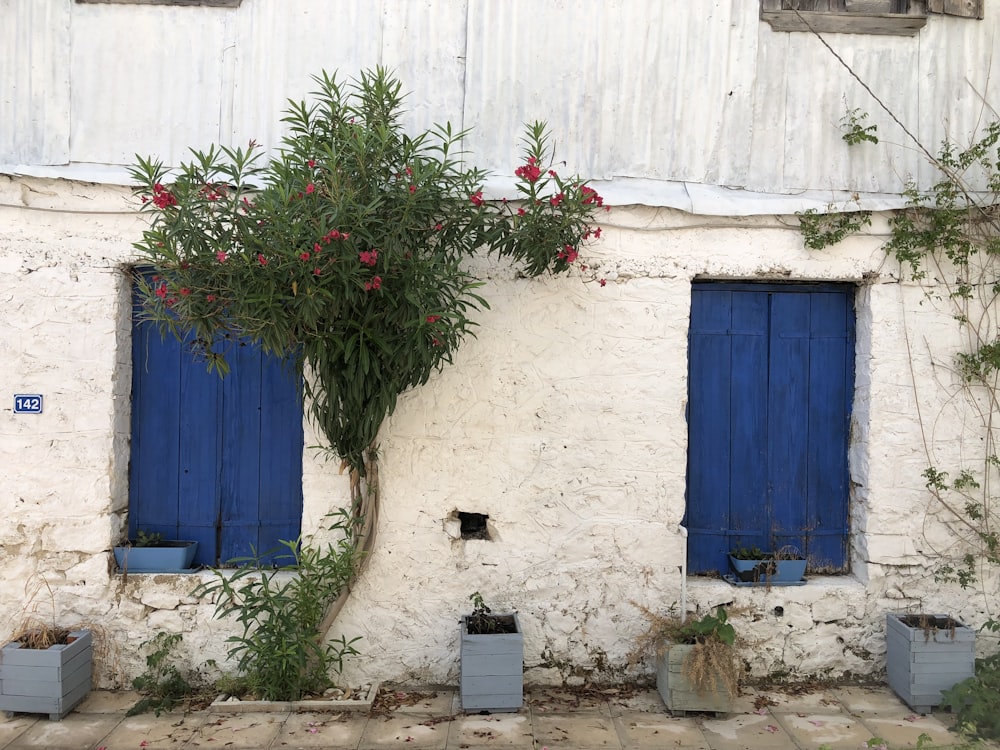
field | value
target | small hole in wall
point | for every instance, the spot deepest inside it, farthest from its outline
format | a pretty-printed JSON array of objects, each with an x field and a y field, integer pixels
[
  {"x": 779, "y": 611},
  {"x": 474, "y": 525}
]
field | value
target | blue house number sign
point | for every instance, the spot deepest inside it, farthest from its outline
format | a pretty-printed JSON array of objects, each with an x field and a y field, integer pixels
[{"x": 27, "y": 403}]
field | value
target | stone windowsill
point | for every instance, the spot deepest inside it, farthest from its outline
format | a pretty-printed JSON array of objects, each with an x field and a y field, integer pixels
[{"x": 895, "y": 24}]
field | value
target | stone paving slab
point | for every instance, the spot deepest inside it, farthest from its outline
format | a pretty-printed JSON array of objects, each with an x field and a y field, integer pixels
[
  {"x": 906, "y": 732},
  {"x": 308, "y": 730},
  {"x": 867, "y": 701},
  {"x": 642, "y": 729},
  {"x": 151, "y": 732},
  {"x": 835, "y": 731},
  {"x": 14, "y": 726},
  {"x": 74, "y": 732},
  {"x": 819, "y": 701},
  {"x": 498, "y": 730},
  {"x": 244, "y": 731},
  {"x": 554, "y": 700},
  {"x": 415, "y": 731},
  {"x": 744, "y": 731},
  {"x": 579, "y": 730},
  {"x": 108, "y": 702}
]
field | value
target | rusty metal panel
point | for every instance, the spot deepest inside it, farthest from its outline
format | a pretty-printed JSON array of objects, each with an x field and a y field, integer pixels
[{"x": 35, "y": 76}]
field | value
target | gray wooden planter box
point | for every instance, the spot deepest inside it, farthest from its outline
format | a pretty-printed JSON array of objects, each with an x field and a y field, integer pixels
[
  {"x": 46, "y": 681},
  {"x": 677, "y": 692},
  {"x": 921, "y": 662},
  {"x": 492, "y": 670}
]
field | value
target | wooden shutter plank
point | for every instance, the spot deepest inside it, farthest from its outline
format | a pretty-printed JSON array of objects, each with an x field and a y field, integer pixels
[
  {"x": 280, "y": 492},
  {"x": 748, "y": 475},
  {"x": 962, "y": 8},
  {"x": 708, "y": 430},
  {"x": 830, "y": 395},
  {"x": 241, "y": 454},
  {"x": 155, "y": 415},
  {"x": 200, "y": 456},
  {"x": 788, "y": 417}
]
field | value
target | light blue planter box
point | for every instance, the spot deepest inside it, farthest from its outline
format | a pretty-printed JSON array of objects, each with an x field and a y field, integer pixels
[
  {"x": 785, "y": 571},
  {"x": 49, "y": 681},
  {"x": 492, "y": 670},
  {"x": 166, "y": 557},
  {"x": 921, "y": 662}
]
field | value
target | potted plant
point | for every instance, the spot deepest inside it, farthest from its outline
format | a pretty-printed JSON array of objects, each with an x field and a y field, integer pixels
[
  {"x": 926, "y": 654},
  {"x": 149, "y": 552},
  {"x": 492, "y": 660},
  {"x": 45, "y": 670},
  {"x": 784, "y": 566},
  {"x": 696, "y": 660}
]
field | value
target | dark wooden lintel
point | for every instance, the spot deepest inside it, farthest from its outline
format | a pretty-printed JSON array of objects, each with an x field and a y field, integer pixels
[{"x": 895, "y": 24}]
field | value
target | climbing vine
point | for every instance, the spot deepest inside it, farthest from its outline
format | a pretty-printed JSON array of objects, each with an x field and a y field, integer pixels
[{"x": 947, "y": 239}]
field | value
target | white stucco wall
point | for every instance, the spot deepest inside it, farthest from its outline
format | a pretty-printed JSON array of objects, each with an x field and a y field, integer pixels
[{"x": 563, "y": 421}]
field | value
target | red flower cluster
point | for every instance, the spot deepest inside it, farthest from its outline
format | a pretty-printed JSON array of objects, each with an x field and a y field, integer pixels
[
  {"x": 568, "y": 254},
  {"x": 590, "y": 196},
  {"x": 163, "y": 198},
  {"x": 213, "y": 193},
  {"x": 368, "y": 258},
  {"x": 477, "y": 198},
  {"x": 334, "y": 234},
  {"x": 433, "y": 318},
  {"x": 529, "y": 171},
  {"x": 556, "y": 199},
  {"x": 375, "y": 283}
]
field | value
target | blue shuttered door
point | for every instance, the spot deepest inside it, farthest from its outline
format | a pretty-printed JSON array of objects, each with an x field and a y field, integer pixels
[
  {"x": 214, "y": 459},
  {"x": 770, "y": 380}
]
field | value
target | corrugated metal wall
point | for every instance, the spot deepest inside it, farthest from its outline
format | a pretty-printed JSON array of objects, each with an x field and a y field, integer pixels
[{"x": 665, "y": 90}]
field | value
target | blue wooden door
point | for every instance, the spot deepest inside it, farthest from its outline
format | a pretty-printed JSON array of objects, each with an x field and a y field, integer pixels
[
  {"x": 771, "y": 370},
  {"x": 214, "y": 459}
]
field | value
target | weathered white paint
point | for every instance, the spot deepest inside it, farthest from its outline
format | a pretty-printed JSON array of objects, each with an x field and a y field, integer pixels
[
  {"x": 681, "y": 96},
  {"x": 564, "y": 421}
]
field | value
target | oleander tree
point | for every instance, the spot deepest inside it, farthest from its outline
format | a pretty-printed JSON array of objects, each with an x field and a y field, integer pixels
[{"x": 347, "y": 253}]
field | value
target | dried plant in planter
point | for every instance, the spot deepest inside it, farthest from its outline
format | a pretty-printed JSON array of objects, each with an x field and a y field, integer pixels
[
  {"x": 711, "y": 665},
  {"x": 35, "y": 633}
]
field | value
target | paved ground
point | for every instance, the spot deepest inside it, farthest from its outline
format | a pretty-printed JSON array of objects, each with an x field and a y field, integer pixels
[{"x": 838, "y": 719}]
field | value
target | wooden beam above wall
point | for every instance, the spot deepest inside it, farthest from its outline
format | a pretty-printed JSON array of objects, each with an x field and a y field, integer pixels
[
  {"x": 895, "y": 24},
  {"x": 209, "y": 3}
]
